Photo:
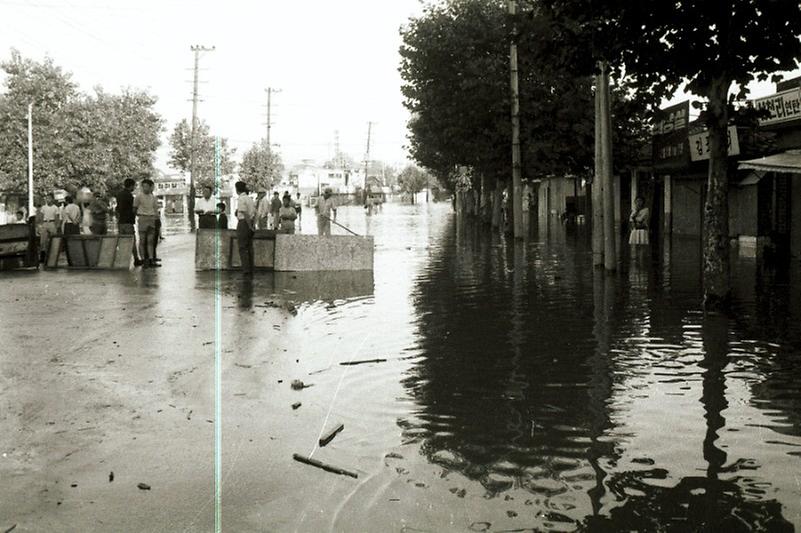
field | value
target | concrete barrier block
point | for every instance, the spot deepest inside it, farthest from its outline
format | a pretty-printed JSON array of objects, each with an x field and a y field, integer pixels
[
  {"x": 92, "y": 247},
  {"x": 75, "y": 253},
  {"x": 263, "y": 250},
  {"x": 105, "y": 256},
  {"x": 123, "y": 253},
  {"x": 205, "y": 248},
  {"x": 54, "y": 253},
  {"x": 295, "y": 253}
]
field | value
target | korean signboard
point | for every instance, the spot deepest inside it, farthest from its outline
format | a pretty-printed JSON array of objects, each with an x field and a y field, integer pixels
[
  {"x": 671, "y": 150},
  {"x": 783, "y": 107},
  {"x": 699, "y": 144}
]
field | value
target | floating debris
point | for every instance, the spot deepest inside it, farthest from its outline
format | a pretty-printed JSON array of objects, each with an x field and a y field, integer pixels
[
  {"x": 324, "y": 466},
  {"x": 296, "y": 405},
  {"x": 143, "y": 486},
  {"x": 329, "y": 436},
  {"x": 364, "y": 362}
]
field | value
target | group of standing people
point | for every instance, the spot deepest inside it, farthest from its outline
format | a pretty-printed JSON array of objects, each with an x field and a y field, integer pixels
[
  {"x": 140, "y": 214},
  {"x": 278, "y": 213}
]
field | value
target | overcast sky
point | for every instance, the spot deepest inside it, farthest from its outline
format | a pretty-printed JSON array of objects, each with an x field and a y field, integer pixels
[{"x": 336, "y": 63}]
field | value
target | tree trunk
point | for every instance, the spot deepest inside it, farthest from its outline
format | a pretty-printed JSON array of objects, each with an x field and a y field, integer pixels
[
  {"x": 610, "y": 233},
  {"x": 596, "y": 190},
  {"x": 716, "y": 211}
]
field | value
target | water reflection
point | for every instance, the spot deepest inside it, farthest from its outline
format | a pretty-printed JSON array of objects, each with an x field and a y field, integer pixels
[{"x": 612, "y": 401}]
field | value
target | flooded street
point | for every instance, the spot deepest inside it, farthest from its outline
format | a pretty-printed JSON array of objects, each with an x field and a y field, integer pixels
[{"x": 518, "y": 390}]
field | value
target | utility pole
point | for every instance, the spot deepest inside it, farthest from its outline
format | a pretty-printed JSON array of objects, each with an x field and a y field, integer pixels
[
  {"x": 197, "y": 49},
  {"x": 30, "y": 161},
  {"x": 517, "y": 186},
  {"x": 337, "y": 153},
  {"x": 270, "y": 91},
  {"x": 597, "y": 186},
  {"x": 367, "y": 158},
  {"x": 610, "y": 232}
]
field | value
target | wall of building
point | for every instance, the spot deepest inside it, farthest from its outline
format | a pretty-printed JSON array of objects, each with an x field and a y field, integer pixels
[
  {"x": 687, "y": 208},
  {"x": 553, "y": 195},
  {"x": 795, "y": 216},
  {"x": 743, "y": 210}
]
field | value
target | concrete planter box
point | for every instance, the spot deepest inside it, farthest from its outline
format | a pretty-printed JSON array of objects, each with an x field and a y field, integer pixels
[{"x": 298, "y": 253}]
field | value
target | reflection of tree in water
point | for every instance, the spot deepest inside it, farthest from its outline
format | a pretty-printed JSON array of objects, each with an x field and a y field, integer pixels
[
  {"x": 510, "y": 389},
  {"x": 774, "y": 319},
  {"x": 514, "y": 385},
  {"x": 697, "y": 503}
]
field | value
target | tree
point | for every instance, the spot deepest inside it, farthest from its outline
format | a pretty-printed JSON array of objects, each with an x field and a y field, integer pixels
[
  {"x": 455, "y": 69},
  {"x": 413, "y": 179},
  {"x": 261, "y": 167},
  {"x": 716, "y": 48},
  {"x": 181, "y": 152},
  {"x": 79, "y": 139}
]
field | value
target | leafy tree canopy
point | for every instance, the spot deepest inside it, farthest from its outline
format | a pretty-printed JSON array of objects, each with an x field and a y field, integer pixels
[
  {"x": 96, "y": 140},
  {"x": 181, "y": 152},
  {"x": 455, "y": 65},
  {"x": 261, "y": 167}
]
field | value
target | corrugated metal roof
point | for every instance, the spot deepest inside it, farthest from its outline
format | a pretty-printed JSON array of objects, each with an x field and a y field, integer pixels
[{"x": 788, "y": 162}]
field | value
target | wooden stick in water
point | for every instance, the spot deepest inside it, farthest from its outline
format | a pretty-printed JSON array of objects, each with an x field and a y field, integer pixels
[
  {"x": 364, "y": 362},
  {"x": 324, "y": 466},
  {"x": 329, "y": 436}
]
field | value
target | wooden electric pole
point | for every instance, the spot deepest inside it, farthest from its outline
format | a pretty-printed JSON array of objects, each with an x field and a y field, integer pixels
[
  {"x": 30, "y": 162},
  {"x": 197, "y": 49},
  {"x": 270, "y": 91},
  {"x": 597, "y": 186},
  {"x": 367, "y": 158},
  {"x": 610, "y": 232},
  {"x": 517, "y": 188}
]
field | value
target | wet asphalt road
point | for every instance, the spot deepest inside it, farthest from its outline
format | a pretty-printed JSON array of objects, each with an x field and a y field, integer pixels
[{"x": 521, "y": 391}]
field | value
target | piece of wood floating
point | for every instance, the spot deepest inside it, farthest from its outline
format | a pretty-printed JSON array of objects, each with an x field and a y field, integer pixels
[
  {"x": 296, "y": 405},
  {"x": 329, "y": 436},
  {"x": 364, "y": 362},
  {"x": 324, "y": 466}
]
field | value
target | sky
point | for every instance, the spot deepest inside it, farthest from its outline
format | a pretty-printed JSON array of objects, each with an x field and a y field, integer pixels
[{"x": 335, "y": 63}]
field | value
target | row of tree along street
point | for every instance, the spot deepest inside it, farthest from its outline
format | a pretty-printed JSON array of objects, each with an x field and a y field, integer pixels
[
  {"x": 456, "y": 70},
  {"x": 99, "y": 139}
]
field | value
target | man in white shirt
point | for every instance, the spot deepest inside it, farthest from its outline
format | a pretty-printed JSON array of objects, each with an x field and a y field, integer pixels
[
  {"x": 245, "y": 226},
  {"x": 50, "y": 224},
  {"x": 325, "y": 208},
  {"x": 206, "y": 209},
  {"x": 263, "y": 210}
]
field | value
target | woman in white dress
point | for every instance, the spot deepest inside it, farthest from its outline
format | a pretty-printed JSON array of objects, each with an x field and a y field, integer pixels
[{"x": 640, "y": 219}]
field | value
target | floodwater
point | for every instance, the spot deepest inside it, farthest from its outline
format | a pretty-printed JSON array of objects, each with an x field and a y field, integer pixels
[{"x": 518, "y": 389}]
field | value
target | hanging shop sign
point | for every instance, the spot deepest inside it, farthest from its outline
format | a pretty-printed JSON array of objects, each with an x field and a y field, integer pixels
[
  {"x": 783, "y": 107},
  {"x": 670, "y": 147},
  {"x": 699, "y": 144}
]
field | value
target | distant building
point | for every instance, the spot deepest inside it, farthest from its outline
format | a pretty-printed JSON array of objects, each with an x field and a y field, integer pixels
[
  {"x": 171, "y": 190},
  {"x": 310, "y": 179}
]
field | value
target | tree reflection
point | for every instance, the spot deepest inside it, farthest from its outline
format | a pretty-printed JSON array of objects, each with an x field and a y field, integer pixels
[{"x": 521, "y": 361}]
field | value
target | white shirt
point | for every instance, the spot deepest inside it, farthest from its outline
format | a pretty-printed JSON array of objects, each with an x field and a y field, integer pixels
[
  {"x": 50, "y": 213},
  {"x": 245, "y": 208},
  {"x": 209, "y": 207}
]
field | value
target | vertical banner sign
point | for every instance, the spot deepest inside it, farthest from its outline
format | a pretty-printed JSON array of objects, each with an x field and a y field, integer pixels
[
  {"x": 699, "y": 144},
  {"x": 669, "y": 133}
]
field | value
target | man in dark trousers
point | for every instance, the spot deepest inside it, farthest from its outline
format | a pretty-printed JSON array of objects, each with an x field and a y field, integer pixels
[
  {"x": 245, "y": 226},
  {"x": 125, "y": 214},
  {"x": 275, "y": 208}
]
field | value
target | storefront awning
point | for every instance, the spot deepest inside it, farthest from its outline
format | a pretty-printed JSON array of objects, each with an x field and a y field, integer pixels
[
  {"x": 788, "y": 162},
  {"x": 752, "y": 178}
]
